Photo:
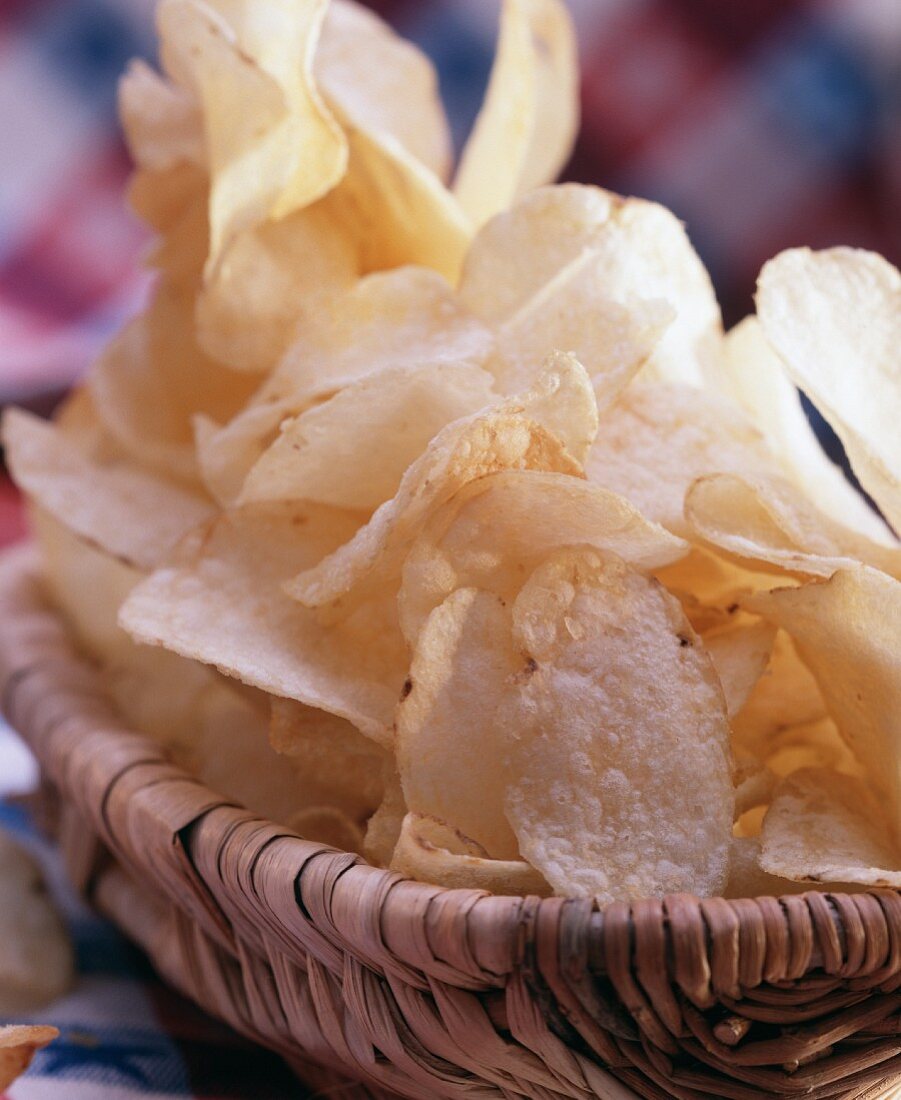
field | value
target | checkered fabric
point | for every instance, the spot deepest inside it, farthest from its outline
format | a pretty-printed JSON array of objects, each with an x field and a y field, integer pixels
[{"x": 763, "y": 124}]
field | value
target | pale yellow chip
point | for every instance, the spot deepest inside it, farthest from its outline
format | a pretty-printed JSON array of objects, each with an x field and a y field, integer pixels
[
  {"x": 511, "y": 728},
  {"x": 398, "y": 209},
  {"x": 659, "y": 438},
  {"x": 100, "y": 494},
  {"x": 162, "y": 122},
  {"x": 394, "y": 416},
  {"x": 846, "y": 631},
  {"x": 740, "y": 654},
  {"x": 754, "y": 375},
  {"x": 452, "y": 737},
  {"x": 767, "y": 521},
  {"x": 394, "y": 90},
  {"x": 153, "y": 379},
  {"x": 533, "y": 431},
  {"x": 572, "y": 312},
  {"x": 495, "y": 531},
  {"x": 827, "y": 827},
  {"x": 272, "y": 279},
  {"x": 834, "y": 317},
  {"x": 18, "y": 1045},
  {"x": 527, "y": 125},
  {"x": 272, "y": 146},
  {"x": 609, "y": 740},
  {"x": 642, "y": 247},
  {"x": 36, "y": 959},
  {"x": 220, "y": 600},
  {"x": 429, "y": 850},
  {"x": 339, "y": 766}
]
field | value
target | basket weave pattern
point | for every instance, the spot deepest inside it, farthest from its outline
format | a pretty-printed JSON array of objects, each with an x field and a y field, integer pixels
[{"x": 354, "y": 974}]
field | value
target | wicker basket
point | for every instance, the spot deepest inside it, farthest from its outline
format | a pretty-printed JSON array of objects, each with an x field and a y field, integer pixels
[{"x": 356, "y": 975}]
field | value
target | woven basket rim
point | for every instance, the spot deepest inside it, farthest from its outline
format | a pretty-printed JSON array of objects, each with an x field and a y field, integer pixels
[
  {"x": 233, "y": 910},
  {"x": 20, "y": 576}
]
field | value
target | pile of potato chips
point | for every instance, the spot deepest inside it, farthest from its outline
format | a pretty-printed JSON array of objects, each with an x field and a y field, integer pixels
[{"x": 434, "y": 515}]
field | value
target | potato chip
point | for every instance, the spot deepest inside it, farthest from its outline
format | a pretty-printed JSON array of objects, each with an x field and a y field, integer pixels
[
  {"x": 272, "y": 145},
  {"x": 754, "y": 375},
  {"x": 846, "y": 631},
  {"x": 834, "y": 317},
  {"x": 601, "y": 814},
  {"x": 342, "y": 768},
  {"x": 747, "y": 879},
  {"x": 521, "y": 433},
  {"x": 269, "y": 281},
  {"x": 527, "y": 125},
  {"x": 395, "y": 414},
  {"x": 394, "y": 92},
  {"x": 407, "y": 317},
  {"x": 740, "y": 654},
  {"x": 383, "y": 828},
  {"x": 496, "y": 530},
  {"x": 220, "y": 600},
  {"x": 816, "y": 744},
  {"x": 451, "y": 743},
  {"x": 754, "y": 786},
  {"x": 709, "y": 584},
  {"x": 162, "y": 122},
  {"x": 826, "y": 827},
  {"x": 36, "y": 960},
  {"x": 400, "y": 211},
  {"x": 431, "y": 851},
  {"x": 572, "y": 313},
  {"x": 403, "y": 318},
  {"x": 641, "y": 247},
  {"x": 153, "y": 379},
  {"x": 767, "y": 521},
  {"x": 659, "y": 438},
  {"x": 105, "y": 498},
  {"x": 328, "y": 825},
  {"x": 785, "y": 697},
  {"x": 18, "y": 1045}
]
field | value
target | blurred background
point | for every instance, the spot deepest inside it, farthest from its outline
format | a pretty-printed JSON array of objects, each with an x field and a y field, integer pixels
[{"x": 762, "y": 124}]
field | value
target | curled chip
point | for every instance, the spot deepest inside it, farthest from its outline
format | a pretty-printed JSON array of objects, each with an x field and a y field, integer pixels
[{"x": 544, "y": 429}]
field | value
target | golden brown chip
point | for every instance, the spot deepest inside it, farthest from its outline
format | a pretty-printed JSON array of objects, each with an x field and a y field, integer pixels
[
  {"x": 18, "y": 1045},
  {"x": 740, "y": 654},
  {"x": 328, "y": 825}
]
